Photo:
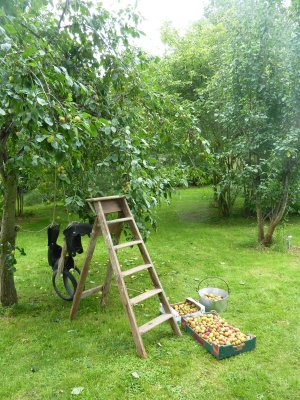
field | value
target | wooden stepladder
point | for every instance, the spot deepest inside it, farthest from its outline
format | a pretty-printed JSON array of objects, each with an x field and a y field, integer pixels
[{"x": 102, "y": 206}]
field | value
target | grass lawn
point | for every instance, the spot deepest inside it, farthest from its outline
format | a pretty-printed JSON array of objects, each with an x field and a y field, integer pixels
[{"x": 44, "y": 356}]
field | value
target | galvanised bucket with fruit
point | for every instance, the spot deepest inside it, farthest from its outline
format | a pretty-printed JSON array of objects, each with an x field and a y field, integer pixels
[{"x": 213, "y": 298}]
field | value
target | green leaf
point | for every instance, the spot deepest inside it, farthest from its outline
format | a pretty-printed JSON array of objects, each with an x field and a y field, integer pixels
[
  {"x": 5, "y": 46},
  {"x": 64, "y": 178},
  {"x": 69, "y": 80},
  {"x": 83, "y": 88},
  {"x": 107, "y": 130},
  {"x": 41, "y": 101},
  {"x": 2, "y": 112},
  {"x": 48, "y": 121},
  {"x": 40, "y": 139},
  {"x": 29, "y": 52},
  {"x": 104, "y": 121},
  {"x": 93, "y": 130},
  {"x": 65, "y": 126}
]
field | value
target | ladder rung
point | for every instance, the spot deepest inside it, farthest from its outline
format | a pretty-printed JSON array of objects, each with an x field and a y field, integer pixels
[
  {"x": 118, "y": 220},
  {"x": 154, "y": 322},
  {"x": 144, "y": 296},
  {"x": 93, "y": 290},
  {"x": 127, "y": 244},
  {"x": 136, "y": 269}
]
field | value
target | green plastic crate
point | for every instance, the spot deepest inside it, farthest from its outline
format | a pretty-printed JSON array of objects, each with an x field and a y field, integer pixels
[{"x": 222, "y": 351}]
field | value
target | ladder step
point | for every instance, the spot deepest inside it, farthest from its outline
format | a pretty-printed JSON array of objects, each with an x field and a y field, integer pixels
[
  {"x": 154, "y": 322},
  {"x": 144, "y": 296},
  {"x": 118, "y": 220},
  {"x": 127, "y": 244},
  {"x": 93, "y": 290},
  {"x": 136, "y": 269}
]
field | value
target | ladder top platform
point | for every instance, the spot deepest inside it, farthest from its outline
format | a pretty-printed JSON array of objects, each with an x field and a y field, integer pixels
[{"x": 104, "y": 198}]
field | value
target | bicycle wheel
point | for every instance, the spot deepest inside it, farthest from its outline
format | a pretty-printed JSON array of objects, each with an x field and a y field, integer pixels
[
  {"x": 66, "y": 287},
  {"x": 76, "y": 269}
]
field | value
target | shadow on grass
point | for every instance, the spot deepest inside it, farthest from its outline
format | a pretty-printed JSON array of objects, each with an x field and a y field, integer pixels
[{"x": 210, "y": 216}]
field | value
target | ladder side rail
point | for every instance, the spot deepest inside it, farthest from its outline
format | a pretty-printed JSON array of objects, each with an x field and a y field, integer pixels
[
  {"x": 120, "y": 282},
  {"x": 143, "y": 250},
  {"x": 153, "y": 274},
  {"x": 83, "y": 275},
  {"x": 136, "y": 233},
  {"x": 109, "y": 270},
  {"x": 91, "y": 207}
]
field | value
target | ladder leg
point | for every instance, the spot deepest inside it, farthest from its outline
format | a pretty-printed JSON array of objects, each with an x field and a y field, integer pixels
[
  {"x": 109, "y": 270},
  {"x": 85, "y": 270},
  {"x": 140, "y": 348},
  {"x": 167, "y": 309},
  {"x": 120, "y": 282},
  {"x": 106, "y": 286},
  {"x": 162, "y": 296}
]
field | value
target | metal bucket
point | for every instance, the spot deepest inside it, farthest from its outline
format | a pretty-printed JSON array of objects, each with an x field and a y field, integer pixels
[{"x": 219, "y": 305}]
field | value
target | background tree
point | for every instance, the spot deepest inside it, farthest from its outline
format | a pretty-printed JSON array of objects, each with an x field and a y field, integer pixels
[
  {"x": 239, "y": 68},
  {"x": 255, "y": 96},
  {"x": 187, "y": 70}
]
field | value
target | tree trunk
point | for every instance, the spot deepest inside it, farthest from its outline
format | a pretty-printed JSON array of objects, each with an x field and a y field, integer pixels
[
  {"x": 20, "y": 201},
  {"x": 269, "y": 235},
  {"x": 277, "y": 215},
  {"x": 215, "y": 189},
  {"x": 223, "y": 205},
  {"x": 249, "y": 202},
  {"x": 8, "y": 294},
  {"x": 275, "y": 220},
  {"x": 260, "y": 224}
]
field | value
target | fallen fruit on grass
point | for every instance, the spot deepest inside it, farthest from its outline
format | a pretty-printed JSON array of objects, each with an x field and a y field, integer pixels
[
  {"x": 186, "y": 308},
  {"x": 216, "y": 330}
]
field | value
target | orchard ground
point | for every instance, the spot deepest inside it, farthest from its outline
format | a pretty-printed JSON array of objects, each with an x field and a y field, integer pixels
[{"x": 45, "y": 356}]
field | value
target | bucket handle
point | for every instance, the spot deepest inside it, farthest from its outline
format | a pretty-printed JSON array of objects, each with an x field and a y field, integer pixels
[{"x": 213, "y": 277}]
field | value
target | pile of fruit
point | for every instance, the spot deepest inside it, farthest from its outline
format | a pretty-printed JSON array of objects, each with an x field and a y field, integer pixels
[
  {"x": 185, "y": 308},
  {"x": 213, "y": 297},
  {"x": 216, "y": 330}
]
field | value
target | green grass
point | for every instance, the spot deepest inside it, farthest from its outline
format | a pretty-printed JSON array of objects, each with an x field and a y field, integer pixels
[{"x": 43, "y": 355}]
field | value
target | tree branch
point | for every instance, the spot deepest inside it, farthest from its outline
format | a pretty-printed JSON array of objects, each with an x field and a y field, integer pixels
[
  {"x": 31, "y": 31},
  {"x": 67, "y": 3},
  {"x": 5, "y": 132}
]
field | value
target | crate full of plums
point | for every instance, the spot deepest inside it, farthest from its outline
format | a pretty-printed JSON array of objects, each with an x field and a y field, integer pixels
[
  {"x": 221, "y": 339},
  {"x": 184, "y": 308}
]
